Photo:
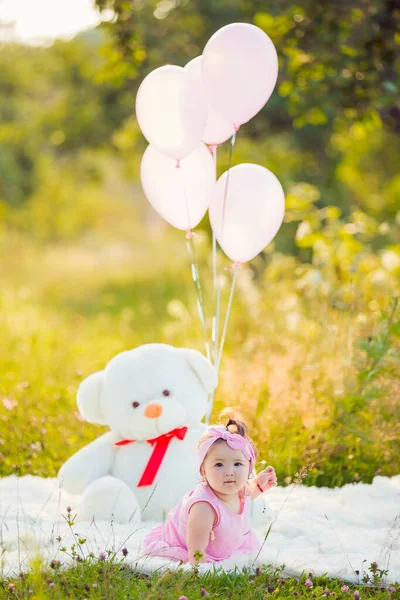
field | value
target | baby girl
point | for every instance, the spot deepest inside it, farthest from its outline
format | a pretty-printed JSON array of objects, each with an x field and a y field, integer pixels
[{"x": 210, "y": 523}]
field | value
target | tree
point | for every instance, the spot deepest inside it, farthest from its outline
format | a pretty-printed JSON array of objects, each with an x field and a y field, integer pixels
[{"x": 336, "y": 59}]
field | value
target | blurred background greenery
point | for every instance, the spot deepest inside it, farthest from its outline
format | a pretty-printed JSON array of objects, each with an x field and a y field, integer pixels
[{"x": 88, "y": 269}]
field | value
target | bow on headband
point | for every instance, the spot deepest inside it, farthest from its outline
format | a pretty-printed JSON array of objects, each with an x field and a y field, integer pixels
[{"x": 234, "y": 441}]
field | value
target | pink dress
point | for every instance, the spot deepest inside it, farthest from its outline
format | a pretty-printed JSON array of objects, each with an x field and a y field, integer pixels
[{"x": 229, "y": 535}]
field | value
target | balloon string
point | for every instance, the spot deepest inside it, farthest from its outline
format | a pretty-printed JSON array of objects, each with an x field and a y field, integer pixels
[
  {"x": 219, "y": 353},
  {"x": 195, "y": 270},
  {"x": 196, "y": 280},
  {"x": 215, "y": 330},
  {"x": 228, "y": 310},
  {"x": 233, "y": 140},
  {"x": 215, "y": 318}
]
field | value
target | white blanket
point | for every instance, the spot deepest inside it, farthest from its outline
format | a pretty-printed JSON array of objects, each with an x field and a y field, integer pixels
[{"x": 317, "y": 530}]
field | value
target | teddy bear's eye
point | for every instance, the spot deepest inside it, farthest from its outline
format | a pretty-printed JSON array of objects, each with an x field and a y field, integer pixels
[
  {"x": 166, "y": 392},
  {"x": 135, "y": 404}
]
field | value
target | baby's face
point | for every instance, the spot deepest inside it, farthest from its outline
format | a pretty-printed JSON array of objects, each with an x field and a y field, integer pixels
[{"x": 225, "y": 469}]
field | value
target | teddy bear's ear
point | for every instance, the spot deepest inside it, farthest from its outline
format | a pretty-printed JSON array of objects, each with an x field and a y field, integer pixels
[
  {"x": 88, "y": 398},
  {"x": 203, "y": 369}
]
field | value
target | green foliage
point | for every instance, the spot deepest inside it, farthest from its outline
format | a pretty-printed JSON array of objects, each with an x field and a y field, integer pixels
[
  {"x": 77, "y": 98},
  {"x": 52, "y": 107},
  {"x": 346, "y": 54},
  {"x": 363, "y": 429}
]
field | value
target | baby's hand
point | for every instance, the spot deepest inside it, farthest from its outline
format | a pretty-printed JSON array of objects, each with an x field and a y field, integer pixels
[{"x": 267, "y": 479}]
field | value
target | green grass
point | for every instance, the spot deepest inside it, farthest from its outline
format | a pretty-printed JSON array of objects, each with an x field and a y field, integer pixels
[{"x": 110, "y": 578}]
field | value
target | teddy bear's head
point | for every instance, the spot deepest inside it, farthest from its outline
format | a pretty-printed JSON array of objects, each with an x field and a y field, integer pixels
[{"x": 150, "y": 390}]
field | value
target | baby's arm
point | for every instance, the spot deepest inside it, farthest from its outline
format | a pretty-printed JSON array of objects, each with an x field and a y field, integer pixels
[
  {"x": 199, "y": 527},
  {"x": 264, "y": 480}
]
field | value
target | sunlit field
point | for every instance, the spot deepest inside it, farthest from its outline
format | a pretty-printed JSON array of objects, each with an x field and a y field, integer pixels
[
  {"x": 316, "y": 381},
  {"x": 312, "y": 370}
]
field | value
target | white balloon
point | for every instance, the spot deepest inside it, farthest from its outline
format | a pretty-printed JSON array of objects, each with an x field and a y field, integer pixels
[
  {"x": 217, "y": 129},
  {"x": 180, "y": 195},
  {"x": 240, "y": 69},
  {"x": 170, "y": 111},
  {"x": 251, "y": 214}
]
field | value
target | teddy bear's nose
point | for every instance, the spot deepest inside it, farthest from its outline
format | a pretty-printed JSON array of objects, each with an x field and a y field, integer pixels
[{"x": 153, "y": 411}]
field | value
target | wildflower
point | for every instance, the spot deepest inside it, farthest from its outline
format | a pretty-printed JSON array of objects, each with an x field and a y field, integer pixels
[
  {"x": 392, "y": 589},
  {"x": 204, "y": 592},
  {"x": 183, "y": 598},
  {"x": 326, "y": 592},
  {"x": 357, "y": 572},
  {"x": 9, "y": 404},
  {"x": 308, "y": 583},
  {"x": 356, "y": 595},
  {"x": 69, "y": 509},
  {"x": 345, "y": 588},
  {"x": 94, "y": 585},
  {"x": 374, "y": 567},
  {"x": 102, "y": 556},
  {"x": 11, "y": 587},
  {"x": 51, "y": 584},
  {"x": 58, "y": 538},
  {"x": 124, "y": 551}
]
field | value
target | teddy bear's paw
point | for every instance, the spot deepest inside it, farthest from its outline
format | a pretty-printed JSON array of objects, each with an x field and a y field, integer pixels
[{"x": 109, "y": 499}]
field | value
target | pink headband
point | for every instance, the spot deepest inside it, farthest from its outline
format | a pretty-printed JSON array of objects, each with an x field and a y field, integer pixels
[{"x": 234, "y": 441}]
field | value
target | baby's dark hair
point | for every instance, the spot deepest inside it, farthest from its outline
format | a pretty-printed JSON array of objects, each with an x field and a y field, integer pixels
[{"x": 234, "y": 424}]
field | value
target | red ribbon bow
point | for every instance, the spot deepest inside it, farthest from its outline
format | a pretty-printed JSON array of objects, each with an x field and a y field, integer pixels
[{"x": 160, "y": 444}]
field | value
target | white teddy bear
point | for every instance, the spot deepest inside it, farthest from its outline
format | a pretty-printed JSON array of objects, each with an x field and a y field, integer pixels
[{"x": 153, "y": 399}]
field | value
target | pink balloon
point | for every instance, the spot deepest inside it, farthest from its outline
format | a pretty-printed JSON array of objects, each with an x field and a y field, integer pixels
[
  {"x": 240, "y": 69},
  {"x": 253, "y": 213},
  {"x": 170, "y": 112},
  {"x": 180, "y": 195},
  {"x": 217, "y": 129}
]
